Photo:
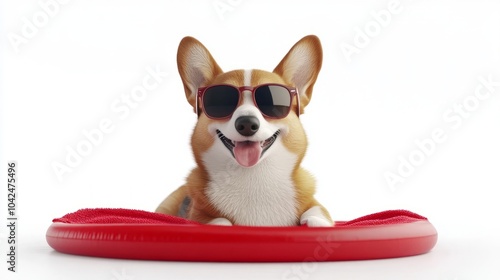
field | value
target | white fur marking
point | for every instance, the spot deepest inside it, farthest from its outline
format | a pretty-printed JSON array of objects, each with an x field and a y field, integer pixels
[
  {"x": 247, "y": 77},
  {"x": 314, "y": 218},
  {"x": 247, "y": 81},
  {"x": 263, "y": 195}
]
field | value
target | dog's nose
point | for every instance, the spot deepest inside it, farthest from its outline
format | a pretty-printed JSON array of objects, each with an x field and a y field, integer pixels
[{"x": 247, "y": 125}]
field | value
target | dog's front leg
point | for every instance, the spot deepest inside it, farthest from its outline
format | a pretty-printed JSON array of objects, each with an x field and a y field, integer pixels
[
  {"x": 314, "y": 217},
  {"x": 220, "y": 222}
]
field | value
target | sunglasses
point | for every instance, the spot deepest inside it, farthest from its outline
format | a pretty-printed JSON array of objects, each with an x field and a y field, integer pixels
[{"x": 273, "y": 100}]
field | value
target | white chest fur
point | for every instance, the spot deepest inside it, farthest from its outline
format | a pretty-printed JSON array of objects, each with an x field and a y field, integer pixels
[{"x": 262, "y": 195}]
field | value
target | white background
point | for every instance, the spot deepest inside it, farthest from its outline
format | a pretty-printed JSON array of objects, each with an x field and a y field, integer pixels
[{"x": 367, "y": 111}]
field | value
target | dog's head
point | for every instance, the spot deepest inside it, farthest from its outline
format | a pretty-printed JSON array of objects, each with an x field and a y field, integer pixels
[{"x": 244, "y": 115}]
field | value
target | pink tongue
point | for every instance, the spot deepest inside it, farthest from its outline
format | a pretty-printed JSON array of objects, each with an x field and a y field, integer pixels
[{"x": 247, "y": 153}]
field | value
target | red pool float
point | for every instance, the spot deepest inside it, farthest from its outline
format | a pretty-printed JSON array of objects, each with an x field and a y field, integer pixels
[{"x": 135, "y": 234}]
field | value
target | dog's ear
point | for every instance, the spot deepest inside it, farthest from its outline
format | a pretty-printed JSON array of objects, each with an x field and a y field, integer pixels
[
  {"x": 196, "y": 67},
  {"x": 301, "y": 66}
]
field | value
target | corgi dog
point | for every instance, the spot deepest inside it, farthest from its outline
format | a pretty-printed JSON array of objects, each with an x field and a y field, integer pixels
[{"x": 248, "y": 142}]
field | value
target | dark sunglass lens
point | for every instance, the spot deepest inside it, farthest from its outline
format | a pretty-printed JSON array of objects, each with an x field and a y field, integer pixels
[
  {"x": 220, "y": 101},
  {"x": 273, "y": 100}
]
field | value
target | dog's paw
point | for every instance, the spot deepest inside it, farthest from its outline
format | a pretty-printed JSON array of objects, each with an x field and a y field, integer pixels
[
  {"x": 315, "y": 218},
  {"x": 220, "y": 222},
  {"x": 316, "y": 222}
]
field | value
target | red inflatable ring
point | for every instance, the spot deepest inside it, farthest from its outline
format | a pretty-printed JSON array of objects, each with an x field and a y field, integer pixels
[{"x": 153, "y": 236}]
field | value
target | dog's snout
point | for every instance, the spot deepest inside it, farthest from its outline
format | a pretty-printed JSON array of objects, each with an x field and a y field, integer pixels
[{"x": 247, "y": 125}]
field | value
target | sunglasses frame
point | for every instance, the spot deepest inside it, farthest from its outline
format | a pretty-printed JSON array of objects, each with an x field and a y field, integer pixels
[{"x": 291, "y": 90}]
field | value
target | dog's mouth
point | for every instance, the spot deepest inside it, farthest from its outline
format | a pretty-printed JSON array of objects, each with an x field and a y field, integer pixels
[{"x": 247, "y": 153}]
